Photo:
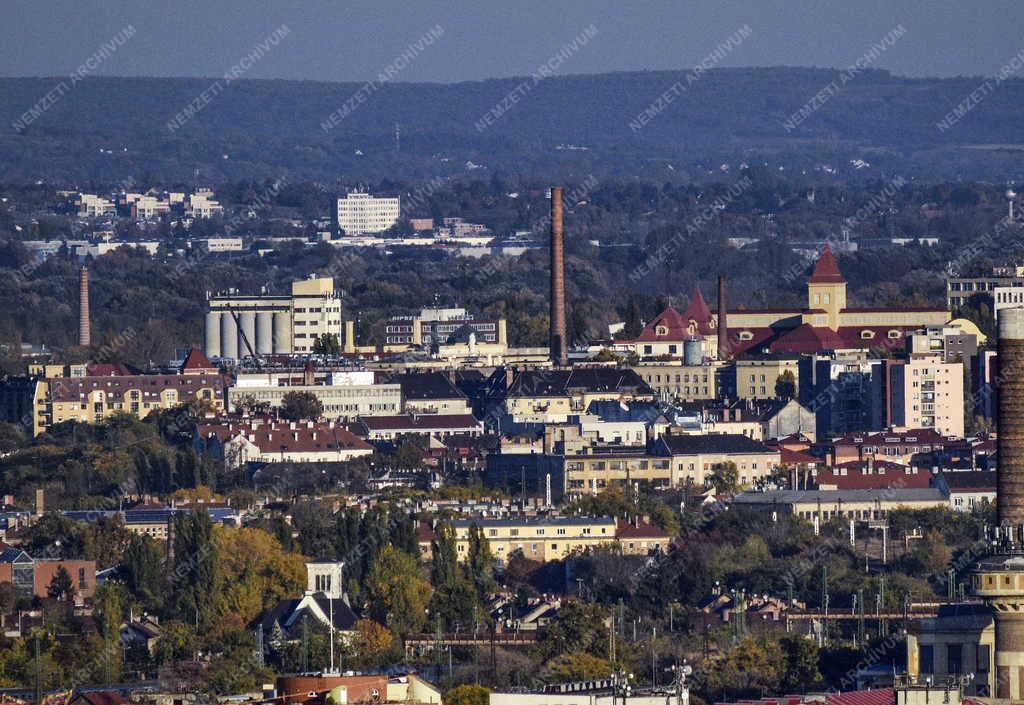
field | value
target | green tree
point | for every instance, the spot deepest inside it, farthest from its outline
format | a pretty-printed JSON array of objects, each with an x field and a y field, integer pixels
[
  {"x": 327, "y": 344},
  {"x": 398, "y": 596},
  {"x": 480, "y": 562},
  {"x": 724, "y": 477},
  {"x": 467, "y": 695},
  {"x": 61, "y": 587},
  {"x": 298, "y": 406},
  {"x": 144, "y": 571},
  {"x": 194, "y": 574},
  {"x": 785, "y": 385},
  {"x": 802, "y": 656}
]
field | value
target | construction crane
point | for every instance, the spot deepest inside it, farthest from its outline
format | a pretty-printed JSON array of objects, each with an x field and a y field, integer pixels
[{"x": 245, "y": 339}]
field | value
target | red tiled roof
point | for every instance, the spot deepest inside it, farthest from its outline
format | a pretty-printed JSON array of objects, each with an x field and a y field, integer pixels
[
  {"x": 699, "y": 312},
  {"x": 149, "y": 386},
  {"x": 885, "y": 475},
  {"x": 675, "y": 325},
  {"x": 627, "y": 530},
  {"x": 196, "y": 360},
  {"x": 793, "y": 457},
  {"x": 272, "y": 436},
  {"x": 826, "y": 270},
  {"x": 809, "y": 339},
  {"x": 882, "y": 696},
  {"x": 100, "y": 697}
]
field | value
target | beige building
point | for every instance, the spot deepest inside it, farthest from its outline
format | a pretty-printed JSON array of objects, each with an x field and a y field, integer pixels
[
  {"x": 675, "y": 461},
  {"x": 551, "y": 538},
  {"x": 694, "y": 458},
  {"x": 675, "y": 381},
  {"x": 756, "y": 376},
  {"x": 238, "y": 326},
  {"x": 926, "y": 392},
  {"x": 90, "y": 394}
]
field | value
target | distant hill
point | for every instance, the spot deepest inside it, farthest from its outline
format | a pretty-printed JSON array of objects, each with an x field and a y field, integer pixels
[{"x": 106, "y": 128}]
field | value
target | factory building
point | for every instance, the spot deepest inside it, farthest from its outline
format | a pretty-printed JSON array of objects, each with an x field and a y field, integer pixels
[{"x": 238, "y": 326}]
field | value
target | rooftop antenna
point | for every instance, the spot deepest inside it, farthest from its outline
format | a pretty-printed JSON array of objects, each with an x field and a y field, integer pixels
[
  {"x": 1010, "y": 195},
  {"x": 398, "y": 138}
]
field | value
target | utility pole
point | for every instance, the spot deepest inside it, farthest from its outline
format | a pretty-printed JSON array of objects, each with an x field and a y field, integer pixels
[
  {"x": 654, "y": 658},
  {"x": 39, "y": 680},
  {"x": 861, "y": 641}
]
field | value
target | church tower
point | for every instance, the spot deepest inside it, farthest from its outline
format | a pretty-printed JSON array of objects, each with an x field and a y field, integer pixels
[{"x": 826, "y": 289}]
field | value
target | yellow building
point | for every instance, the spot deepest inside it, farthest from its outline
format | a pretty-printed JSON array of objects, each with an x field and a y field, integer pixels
[
  {"x": 95, "y": 396},
  {"x": 757, "y": 375},
  {"x": 551, "y": 538},
  {"x": 675, "y": 381}
]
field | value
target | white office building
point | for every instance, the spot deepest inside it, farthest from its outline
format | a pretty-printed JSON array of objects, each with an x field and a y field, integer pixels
[{"x": 361, "y": 213}]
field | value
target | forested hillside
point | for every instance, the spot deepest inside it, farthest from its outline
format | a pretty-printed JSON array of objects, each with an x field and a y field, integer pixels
[{"x": 106, "y": 128}]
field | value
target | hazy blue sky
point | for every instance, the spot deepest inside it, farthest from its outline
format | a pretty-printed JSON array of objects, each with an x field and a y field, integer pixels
[{"x": 348, "y": 41}]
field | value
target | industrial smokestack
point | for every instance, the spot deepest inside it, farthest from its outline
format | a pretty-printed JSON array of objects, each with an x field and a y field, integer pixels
[
  {"x": 1010, "y": 441},
  {"x": 84, "y": 333},
  {"x": 723, "y": 324},
  {"x": 559, "y": 351}
]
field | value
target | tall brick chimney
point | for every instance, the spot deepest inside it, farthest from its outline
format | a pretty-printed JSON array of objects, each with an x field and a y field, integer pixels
[
  {"x": 84, "y": 333},
  {"x": 723, "y": 324},
  {"x": 559, "y": 349}
]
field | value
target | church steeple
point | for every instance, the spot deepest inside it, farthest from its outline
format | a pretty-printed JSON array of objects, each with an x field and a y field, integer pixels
[{"x": 826, "y": 289}]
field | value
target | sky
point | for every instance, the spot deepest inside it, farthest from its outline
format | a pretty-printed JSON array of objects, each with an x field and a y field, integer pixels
[{"x": 335, "y": 40}]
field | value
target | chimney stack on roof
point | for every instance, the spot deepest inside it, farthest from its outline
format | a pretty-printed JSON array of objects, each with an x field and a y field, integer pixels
[{"x": 559, "y": 351}]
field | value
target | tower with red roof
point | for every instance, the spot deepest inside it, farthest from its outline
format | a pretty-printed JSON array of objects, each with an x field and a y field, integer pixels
[{"x": 826, "y": 289}]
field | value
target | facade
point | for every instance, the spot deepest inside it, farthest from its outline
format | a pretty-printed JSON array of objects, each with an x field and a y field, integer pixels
[
  {"x": 343, "y": 397},
  {"x": 238, "y": 326},
  {"x": 552, "y": 538},
  {"x": 436, "y": 326},
  {"x": 925, "y": 392},
  {"x": 93, "y": 398},
  {"x": 953, "y": 343},
  {"x": 756, "y": 375},
  {"x": 847, "y": 394},
  {"x": 675, "y": 381},
  {"x": 92, "y": 206},
  {"x": 959, "y": 640},
  {"x": 694, "y": 458},
  {"x": 31, "y": 577},
  {"x": 968, "y": 489},
  {"x": 201, "y": 205},
  {"x": 959, "y": 289},
  {"x": 429, "y": 393},
  {"x": 361, "y": 213}
]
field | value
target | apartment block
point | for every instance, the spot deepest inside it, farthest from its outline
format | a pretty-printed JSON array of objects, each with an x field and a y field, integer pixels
[{"x": 925, "y": 392}]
